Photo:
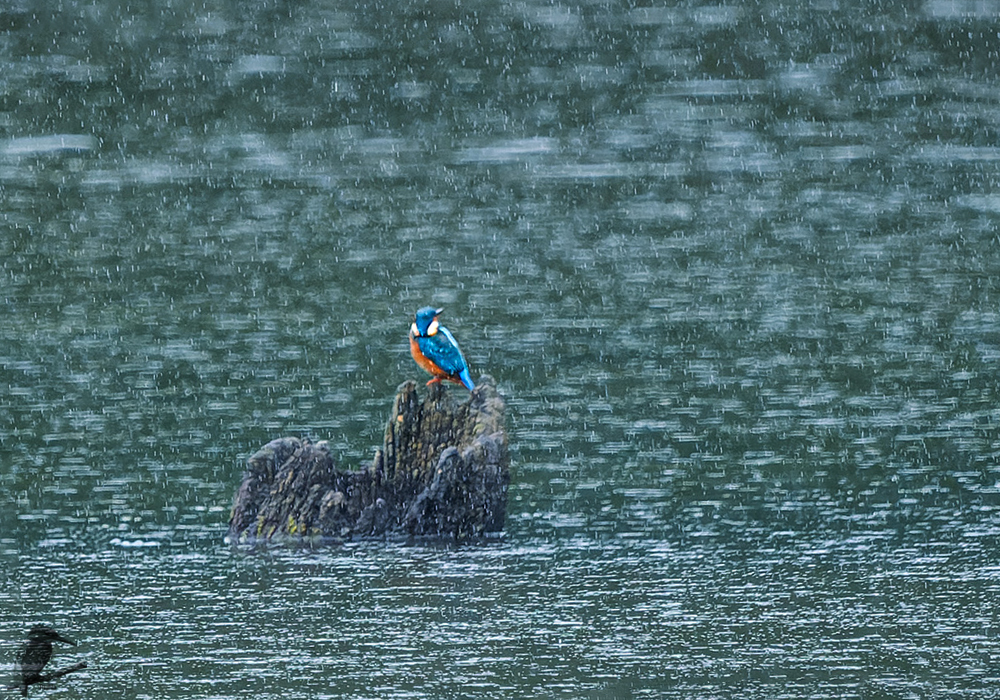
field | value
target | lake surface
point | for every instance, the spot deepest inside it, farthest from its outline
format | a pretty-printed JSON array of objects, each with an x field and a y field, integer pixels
[{"x": 736, "y": 269}]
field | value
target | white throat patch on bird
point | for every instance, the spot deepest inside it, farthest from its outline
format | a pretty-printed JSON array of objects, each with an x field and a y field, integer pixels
[{"x": 432, "y": 329}]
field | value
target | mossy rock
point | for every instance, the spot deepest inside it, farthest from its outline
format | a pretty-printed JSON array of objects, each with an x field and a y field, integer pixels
[{"x": 443, "y": 470}]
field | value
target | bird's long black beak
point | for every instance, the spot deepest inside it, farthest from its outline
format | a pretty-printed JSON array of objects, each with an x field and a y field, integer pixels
[{"x": 60, "y": 638}]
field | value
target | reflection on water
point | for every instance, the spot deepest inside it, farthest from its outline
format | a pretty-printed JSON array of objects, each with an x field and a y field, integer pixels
[
  {"x": 798, "y": 615},
  {"x": 734, "y": 267}
]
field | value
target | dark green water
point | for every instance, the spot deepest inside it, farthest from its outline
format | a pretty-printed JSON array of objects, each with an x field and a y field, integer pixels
[{"x": 734, "y": 266}]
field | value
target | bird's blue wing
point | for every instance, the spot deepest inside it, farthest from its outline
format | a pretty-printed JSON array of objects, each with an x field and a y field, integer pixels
[{"x": 443, "y": 351}]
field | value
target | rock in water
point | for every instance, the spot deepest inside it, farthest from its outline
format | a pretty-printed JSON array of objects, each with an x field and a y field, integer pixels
[{"x": 443, "y": 470}]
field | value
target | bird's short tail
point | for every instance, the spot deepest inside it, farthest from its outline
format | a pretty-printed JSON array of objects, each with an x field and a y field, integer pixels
[{"x": 466, "y": 379}]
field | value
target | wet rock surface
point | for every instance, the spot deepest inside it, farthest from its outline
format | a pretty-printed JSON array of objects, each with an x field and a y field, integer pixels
[{"x": 442, "y": 470}]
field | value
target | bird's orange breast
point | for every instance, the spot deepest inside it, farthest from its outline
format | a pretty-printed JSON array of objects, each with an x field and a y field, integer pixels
[{"x": 423, "y": 360}]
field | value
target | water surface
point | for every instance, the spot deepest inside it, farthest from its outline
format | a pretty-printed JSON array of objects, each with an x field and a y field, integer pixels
[{"x": 734, "y": 267}]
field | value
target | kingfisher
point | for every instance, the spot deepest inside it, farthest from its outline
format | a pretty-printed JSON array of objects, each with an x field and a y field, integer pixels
[
  {"x": 434, "y": 348},
  {"x": 36, "y": 652}
]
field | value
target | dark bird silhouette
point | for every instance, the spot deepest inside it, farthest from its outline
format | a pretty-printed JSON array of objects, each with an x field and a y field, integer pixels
[{"x": 36, "y": 652}]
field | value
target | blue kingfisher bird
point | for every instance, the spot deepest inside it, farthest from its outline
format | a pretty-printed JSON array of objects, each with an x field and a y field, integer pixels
[{"x": 435, "y": 349}]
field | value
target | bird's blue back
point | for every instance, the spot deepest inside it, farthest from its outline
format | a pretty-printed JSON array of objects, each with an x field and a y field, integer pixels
[{"x": 442, "y": 349}]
